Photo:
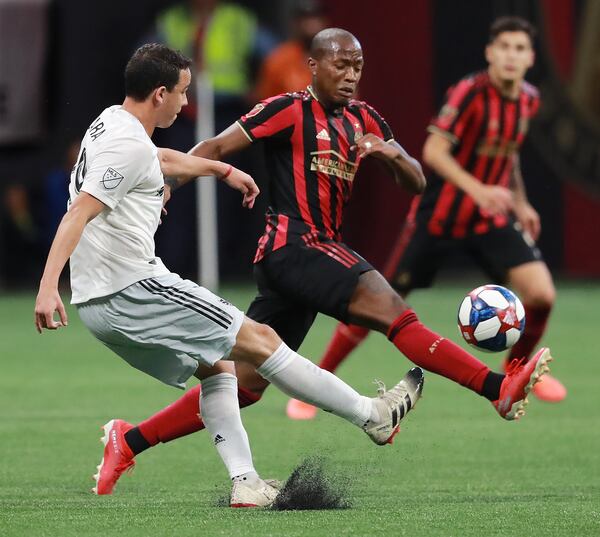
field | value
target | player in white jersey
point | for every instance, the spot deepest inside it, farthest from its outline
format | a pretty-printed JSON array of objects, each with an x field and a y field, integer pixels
[{"x": 167, "y": 327}]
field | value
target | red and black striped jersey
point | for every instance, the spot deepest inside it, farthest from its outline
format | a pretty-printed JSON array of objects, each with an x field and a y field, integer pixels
[
  {"x": 309, "y": 161},
  {"x": 486, "y": 130}
]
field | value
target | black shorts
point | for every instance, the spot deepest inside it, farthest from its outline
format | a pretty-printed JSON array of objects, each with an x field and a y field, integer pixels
[
  {"x": 419, "y": 255},
  {"x": 300, "y": 280}
]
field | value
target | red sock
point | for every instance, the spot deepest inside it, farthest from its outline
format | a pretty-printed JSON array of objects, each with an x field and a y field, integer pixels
[
  {"x": 181, "y": 417},
  {"x": 435, "y": 353},
  {"x": 345, "y": 339},
  {"x": 536, "y": 318}
]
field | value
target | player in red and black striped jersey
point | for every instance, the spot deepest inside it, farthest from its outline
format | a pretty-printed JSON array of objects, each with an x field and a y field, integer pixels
[
  {"x": 482, "y": 129},
  {"x": 314, "y": 142},
  {"x": 313, "y": 158},
  {"x": 475, "y": 200}
]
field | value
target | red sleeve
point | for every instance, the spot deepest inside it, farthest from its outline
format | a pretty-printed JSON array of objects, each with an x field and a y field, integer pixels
[
  {"x": 375, "y": 124},
  {"x": 457, "y": 112},
  {"x": 271, "y": 117}
]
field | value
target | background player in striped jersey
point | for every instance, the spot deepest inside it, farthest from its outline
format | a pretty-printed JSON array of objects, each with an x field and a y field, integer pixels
[
  {"x": 314, "y": 142},
  {"x": 167, "y": 327},
  {"x": 475, "y": 198}
]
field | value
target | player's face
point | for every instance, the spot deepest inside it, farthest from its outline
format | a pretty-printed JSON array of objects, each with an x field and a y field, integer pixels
[
  {"x": 509, "y": 56},
  {"x": 173, "y": 101},
  {"x": 337, "y": 73}
]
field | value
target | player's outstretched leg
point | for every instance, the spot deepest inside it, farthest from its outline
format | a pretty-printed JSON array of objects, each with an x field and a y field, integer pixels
[
  {"x": 248, "y": 489},
  {"x": 118, "y": 457},
  {"x": 180, "y": 418},
  {"x": 344, "y": 340},
  {"x": 444, "y": 357},
  {"x": 298, "y": 377},
  {"x": 376, "y": 304}
]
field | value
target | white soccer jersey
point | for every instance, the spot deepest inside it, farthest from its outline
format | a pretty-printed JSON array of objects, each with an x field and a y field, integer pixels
[{"x": 118, "y": 164}]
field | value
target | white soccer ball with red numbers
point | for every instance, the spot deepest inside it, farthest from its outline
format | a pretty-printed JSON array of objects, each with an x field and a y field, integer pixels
[{"x": 491, "y": 318}]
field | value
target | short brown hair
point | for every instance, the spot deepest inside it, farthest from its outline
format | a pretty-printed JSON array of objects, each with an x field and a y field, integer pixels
[
  {"x": 151, "y": 66},
  {"x": 512, "y": 24}
]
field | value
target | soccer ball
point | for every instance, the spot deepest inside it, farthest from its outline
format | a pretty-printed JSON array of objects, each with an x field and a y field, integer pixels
[{"x": 491, "y": 318}]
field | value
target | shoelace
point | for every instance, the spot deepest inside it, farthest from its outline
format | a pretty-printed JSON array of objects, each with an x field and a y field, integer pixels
[
  {"x": 388, "y": 397},
  {"x": 380, "y": 387}
]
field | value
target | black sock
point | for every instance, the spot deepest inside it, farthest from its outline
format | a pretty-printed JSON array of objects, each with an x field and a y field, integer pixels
[
  {"x": 491, "y": 386},
  {"x": 136, "y": 442}
]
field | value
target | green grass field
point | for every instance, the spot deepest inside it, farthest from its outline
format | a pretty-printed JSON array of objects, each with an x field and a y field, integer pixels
[{"x": 456, "y": 469}]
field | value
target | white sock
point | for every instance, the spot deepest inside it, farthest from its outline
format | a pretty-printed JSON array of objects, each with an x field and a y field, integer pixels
[
  {"x": 249, "y": 478},
  {"x": 221, "y": 416},
  {"x": 301, "y": 379}
]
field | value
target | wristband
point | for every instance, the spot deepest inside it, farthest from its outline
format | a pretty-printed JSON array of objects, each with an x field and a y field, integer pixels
[{"x": 227, "y": 173}]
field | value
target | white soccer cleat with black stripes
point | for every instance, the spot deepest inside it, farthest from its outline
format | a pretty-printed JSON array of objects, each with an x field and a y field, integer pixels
[{"x": 393, "y": 405}]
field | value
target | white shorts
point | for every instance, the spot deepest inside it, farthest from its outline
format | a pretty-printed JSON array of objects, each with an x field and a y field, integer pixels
[{"x": 164, "y": 326}]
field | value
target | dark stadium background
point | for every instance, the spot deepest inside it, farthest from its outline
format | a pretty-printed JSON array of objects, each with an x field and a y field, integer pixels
[{"x": 413, "y": 51}]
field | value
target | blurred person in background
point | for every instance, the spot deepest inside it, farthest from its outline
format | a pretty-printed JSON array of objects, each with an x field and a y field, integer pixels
[
  {"x": 227, "y": 44},
  {"x": 286, "y": 68},
  {"x": 20, "y": 245},
  {"x": 56, "y": 192},
  {"x": 475, "y": 200}
]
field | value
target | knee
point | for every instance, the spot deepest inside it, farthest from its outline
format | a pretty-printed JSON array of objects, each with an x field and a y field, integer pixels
[
  {"x": 541, "y": 298},
  {"x": 268, "y": 339},
  {"x": 397, "y": 307},
  {"x": 258, "y": 342},
  {"x": 381, "y": 314}
]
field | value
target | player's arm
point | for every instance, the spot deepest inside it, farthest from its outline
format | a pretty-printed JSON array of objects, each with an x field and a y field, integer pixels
[
  {"x": 527, "y": 216},
  {"x": 406, "y": 170},
  {"x": 491, "y": 199},
  {"x": 181, "y": 167},
  {"x": 231, "y": 140},
  {"x": 84, "y": 209}
]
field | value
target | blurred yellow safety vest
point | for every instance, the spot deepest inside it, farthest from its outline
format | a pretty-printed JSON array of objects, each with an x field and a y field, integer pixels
[{"x": 226, "y": 46}]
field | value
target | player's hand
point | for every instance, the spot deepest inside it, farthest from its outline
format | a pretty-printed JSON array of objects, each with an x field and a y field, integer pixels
[
  {"x": 371, "y": 145},
  {"x": 47, "y": 302},
  {"x": 245, "y": 184},
  {"x": 529, "y": 219},
  {"x": 166, "y": 198},
  {"x": 493, "y": 200}
]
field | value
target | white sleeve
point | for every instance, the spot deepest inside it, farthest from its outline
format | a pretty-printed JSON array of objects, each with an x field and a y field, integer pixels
[{"x": 117, "y": 169}]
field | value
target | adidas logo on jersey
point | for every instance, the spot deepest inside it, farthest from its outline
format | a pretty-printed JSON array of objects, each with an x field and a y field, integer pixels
[
  {"x": 219, "y": 439},
  {"x": 324, "y": 135}
]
